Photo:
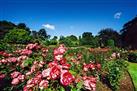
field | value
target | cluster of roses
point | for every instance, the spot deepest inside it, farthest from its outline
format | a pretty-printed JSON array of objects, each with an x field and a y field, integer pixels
[
  {"x": 28, "y": 50},
  {"x": 17, "y": 77},
  {"x": 90, "y": 81},
  {"x": 5, "y": 54},
  {"x": 56, "y": 70},
  {"x": 59, "y": 68}
]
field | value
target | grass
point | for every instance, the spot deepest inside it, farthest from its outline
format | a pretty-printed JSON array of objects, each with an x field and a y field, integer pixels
[{"x": 132, "y": 68}]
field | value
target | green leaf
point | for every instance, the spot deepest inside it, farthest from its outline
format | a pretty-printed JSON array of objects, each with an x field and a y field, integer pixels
[
  {"x": 79, "y": 85},
  {"x": 62, "y": 88},
  {"x": 72, "y": 72}
]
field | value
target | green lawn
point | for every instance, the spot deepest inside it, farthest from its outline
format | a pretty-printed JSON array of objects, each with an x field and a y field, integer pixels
[{"x": 132, "y": 68}]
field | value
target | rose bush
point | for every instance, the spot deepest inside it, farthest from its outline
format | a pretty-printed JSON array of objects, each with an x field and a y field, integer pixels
[
  {"x": 28, "y": 69},
  {"x": 39, "y": 68}
]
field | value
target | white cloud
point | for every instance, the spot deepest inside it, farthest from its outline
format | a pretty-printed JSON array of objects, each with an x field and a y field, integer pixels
[
  {"x": 49, "y": 26},
  {"x": 117, "y": 15}
]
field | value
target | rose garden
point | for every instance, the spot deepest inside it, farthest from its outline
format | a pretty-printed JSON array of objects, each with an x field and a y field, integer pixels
[{"x": 34, "y": 62}]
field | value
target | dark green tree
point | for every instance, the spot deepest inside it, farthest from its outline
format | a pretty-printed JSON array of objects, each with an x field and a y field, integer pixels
[
  {"x": 108, "y": 33},
  {"x": 23, "y": 26},
  {"x": 129, "y": 34},
  {"x": 43, "y": 33},
  {"x": 5, "y": 26},
  {"x": 20, "y": 36},
  {"x": 87, "y": 38}
]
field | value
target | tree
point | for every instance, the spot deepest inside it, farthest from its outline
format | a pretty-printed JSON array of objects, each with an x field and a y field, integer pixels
[
  {"x": 107, "y": 34},
  {"x": 65, "y": 40},
  {"x": 17, "y": 36},
  {"x": 54, "y": 41},
  {"x": 72, "y": 37},
  {"x": 55, "y": 38},
  {"x": 5, "y": 26},
  {"x": 73, "y": 41},
  {"x": 110, "y": 43},
  {"x": 23, "y": 26},
  {"x": 40, "y": 35},
  {"x": 86, "y": 39},
  {"x": 128, "y": 34}
]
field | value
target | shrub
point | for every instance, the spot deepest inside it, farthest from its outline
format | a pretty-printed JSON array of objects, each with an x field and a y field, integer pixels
[
  {"x": 116, "y": 69},
  {"x": 110, "y": 43},
  {"x": 17, "y": 36},
  {"x": 132, "y": 57}
]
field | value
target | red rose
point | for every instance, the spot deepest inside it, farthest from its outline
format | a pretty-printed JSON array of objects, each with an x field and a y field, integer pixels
[
  {"x": 92, "y": 66},
  {"x": 66, "y": 66},
  {"x": 98, "y": 66},
  {"x": 90, "y": 83},
  {"x": 2, "y": 76},
  {"x": 66, "y": 78},
  {"x": 54, "y": 73},
  {"x": 85, "y": 67},
  {"x": 51, "y": 64}
]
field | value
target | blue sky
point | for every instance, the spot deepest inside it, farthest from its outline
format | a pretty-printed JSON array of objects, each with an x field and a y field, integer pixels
[{"x": 62, "y": 17}]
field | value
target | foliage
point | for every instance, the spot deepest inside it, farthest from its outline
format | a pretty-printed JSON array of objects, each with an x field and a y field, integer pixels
[
  {"x": 17, "y": 36},
  {"x": 108, "y": 33},
  {"x": 116, "y": 69},
  {"x": 128, "y": 34},
  {"x": 132, "y": 57},
  {"x": 86, "y": 38},
  {"x": 110, "y": 43},
  {"x": 5, "y": 26}
]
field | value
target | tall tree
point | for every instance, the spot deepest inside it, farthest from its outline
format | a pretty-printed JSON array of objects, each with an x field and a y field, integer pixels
[
  {"x": 87, "y": 38},
  {"x": 129, "y": 34},
  {"x": 23, "y": 26},
  {"x": 5, "y": 26},
  {"x": 17, "y": 36},
  {"x": 43, "y": 33},
  {"x": 109, "y": 34}
]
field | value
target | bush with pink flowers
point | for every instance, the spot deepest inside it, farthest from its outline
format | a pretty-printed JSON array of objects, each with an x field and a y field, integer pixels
[{"x": 37, "y": 68}]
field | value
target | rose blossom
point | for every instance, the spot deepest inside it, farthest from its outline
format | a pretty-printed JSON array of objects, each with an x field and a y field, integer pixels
[
  {"x": 43, "y": 84},
  {"x": 85, "y": 67},
  {"x": 98, "y": 66},
  {"x": 15, "y": 81},
  {"x": 21, "y": 77},
  {"x": 63, "y": 61},
  {"x": 90, "y": 83},
  {"x": 54, "y": 73},
  {"x": 15, "y": 74},
  {"x": 66, "y": 66},
  {"x": 2, "y": 76},
  {"x": 58, "y": 57},
  {"x": 66, "y": 77},
  {"x": 92, "y": 66},
  {"x": 46, "y": 72}
]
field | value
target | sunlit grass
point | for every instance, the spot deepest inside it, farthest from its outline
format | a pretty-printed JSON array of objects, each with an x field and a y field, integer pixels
[{"x": 132, "y": 68}]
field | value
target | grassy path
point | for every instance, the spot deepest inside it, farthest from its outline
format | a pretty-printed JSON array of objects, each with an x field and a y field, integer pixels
[{"x": 132, "y": 68}]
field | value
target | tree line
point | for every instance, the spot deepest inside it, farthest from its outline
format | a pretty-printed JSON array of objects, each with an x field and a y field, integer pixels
[{"x": 108, "y": 37}]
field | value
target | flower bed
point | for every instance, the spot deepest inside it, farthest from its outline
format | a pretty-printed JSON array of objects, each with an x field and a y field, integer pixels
[
  {"x": 28, "y": 69},
  {"x": 58, "y": 69}
]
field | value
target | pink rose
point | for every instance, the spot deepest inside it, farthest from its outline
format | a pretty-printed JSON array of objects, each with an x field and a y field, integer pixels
[
  {"x": 15, "y": 74},
  {"x": 43, "y": 84},
  {"x": 15, "y": 81},
  {"x": 66, "y": 78},
  {"x": 46, "y": 72}
]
